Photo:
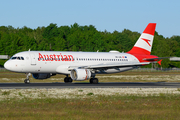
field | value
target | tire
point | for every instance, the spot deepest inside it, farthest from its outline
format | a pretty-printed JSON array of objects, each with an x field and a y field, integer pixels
[
  {"x": 95, "y": 81},
  {"x": 66, "y": 79},
  {"x": 70, "y": 80},
  {"x": 26, "y": 81},
  {"x": 91, "y": 80}
]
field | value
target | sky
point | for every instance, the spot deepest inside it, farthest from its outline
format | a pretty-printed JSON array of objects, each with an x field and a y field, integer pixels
[{"x": 109, "y": 15}]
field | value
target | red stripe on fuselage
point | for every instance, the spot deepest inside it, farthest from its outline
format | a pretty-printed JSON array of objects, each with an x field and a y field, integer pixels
[
  {"x": 141, "y": 57},
  {"x": 141, "y": 54}
]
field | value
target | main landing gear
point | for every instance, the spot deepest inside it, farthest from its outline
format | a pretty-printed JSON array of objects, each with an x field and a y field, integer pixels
[
  {"x": 93, "y": 81},
  {"x": 27, "y": 81},
  {"x": 68, "y": 79}
]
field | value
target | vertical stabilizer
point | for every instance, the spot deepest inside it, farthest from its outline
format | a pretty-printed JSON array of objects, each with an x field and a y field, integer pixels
[{"x": 145, "y": 41}]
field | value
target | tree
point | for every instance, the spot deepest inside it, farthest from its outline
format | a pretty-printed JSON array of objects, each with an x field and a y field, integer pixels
[
  {"x": 81, "y": 38},
  {"x": 60, "y": 45},
  {"x": 50, "y": 31}
]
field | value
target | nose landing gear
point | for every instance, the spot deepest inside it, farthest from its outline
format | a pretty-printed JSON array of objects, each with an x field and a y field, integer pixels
[{"x": 27, "y": 81}]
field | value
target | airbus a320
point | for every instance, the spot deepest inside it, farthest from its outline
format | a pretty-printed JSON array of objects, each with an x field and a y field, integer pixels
[{"x": 83, "y": 65}]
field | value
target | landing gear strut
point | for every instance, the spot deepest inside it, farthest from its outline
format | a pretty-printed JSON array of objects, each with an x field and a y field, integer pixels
[
  {"x": 27, "y": 81},
  {"x": 93, "y": 81},
  {"x": 68, "y": 79}
]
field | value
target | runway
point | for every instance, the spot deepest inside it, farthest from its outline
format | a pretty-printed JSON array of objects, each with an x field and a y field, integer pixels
[{"x": 88, "y": 85}]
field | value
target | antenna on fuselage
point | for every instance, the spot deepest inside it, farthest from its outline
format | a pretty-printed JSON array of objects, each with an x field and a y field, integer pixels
[
  {"x": 29, "y": 50},
  {"x": 97, "y": 50}
]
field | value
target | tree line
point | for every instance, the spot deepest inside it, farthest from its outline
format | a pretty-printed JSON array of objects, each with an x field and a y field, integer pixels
[{"x": 81, "y": 38}]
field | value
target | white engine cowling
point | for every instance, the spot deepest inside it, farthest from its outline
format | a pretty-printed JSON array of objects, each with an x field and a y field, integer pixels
[
  {"x": 80, "y": 74},
  {"x": 41, "y": 75}
]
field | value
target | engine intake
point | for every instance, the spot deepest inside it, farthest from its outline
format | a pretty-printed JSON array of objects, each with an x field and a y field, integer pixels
[{"x": 80, "y": 74}]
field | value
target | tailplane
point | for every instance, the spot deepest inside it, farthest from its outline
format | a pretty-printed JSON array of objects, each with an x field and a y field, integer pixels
[{"x": 144, "y": 43}]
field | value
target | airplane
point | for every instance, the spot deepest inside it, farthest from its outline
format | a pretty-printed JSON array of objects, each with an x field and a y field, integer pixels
[{"x": 81, "y": 66}]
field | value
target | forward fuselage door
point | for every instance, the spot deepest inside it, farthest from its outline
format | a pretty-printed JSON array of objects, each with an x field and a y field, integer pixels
[{"x": 33, "y": 59}]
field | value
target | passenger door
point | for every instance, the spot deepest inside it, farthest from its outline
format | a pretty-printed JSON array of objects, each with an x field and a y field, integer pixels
[{"x": 33, "y": 59}]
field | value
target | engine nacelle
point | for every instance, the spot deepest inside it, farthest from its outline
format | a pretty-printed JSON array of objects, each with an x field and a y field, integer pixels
[
  {"x": 80, "y": 74},
  {"x": 41, "y": 75}
]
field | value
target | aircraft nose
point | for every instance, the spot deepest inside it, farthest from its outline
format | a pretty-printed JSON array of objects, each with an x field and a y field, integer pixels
[{"x": 7, "y": 65}]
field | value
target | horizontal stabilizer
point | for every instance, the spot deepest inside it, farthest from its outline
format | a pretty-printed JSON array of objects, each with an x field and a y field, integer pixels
[
  {"x": 159, "y": 62},
  {"x": 153, "y": 59}
]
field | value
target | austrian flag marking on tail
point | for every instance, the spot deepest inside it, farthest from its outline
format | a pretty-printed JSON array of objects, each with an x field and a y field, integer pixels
[{"x": 148, "y": 41}]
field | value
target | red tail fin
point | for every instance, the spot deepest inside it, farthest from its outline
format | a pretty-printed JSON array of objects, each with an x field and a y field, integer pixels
[{"x": 145, "y": 41}]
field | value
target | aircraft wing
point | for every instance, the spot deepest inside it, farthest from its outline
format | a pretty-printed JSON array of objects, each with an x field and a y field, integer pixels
[{"x": 108, "y": 66}]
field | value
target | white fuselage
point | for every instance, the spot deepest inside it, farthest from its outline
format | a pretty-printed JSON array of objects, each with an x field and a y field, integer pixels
[{"x": 59, "y": 62}]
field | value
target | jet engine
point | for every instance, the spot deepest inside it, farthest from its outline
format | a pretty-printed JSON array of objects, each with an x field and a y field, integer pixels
[
  {"x": 80, "y": 74},
  {"x": 41, "y": 75}
]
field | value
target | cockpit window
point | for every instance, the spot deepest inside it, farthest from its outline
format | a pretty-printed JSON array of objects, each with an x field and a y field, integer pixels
[
  {"x": 13, "y": 58},
  {"x": 17, "y": 58}
]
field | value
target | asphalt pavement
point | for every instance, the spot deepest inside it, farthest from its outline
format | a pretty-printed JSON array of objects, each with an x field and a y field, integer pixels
[{"x": 62, "y": 85}]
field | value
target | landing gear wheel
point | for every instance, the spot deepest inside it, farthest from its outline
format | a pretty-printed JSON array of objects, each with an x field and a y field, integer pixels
[
  {"x": 91, "y": 80},
  {"x": 68, "y": 80},
  {"x": 27, "y": 81},
  {"x": 94, "y": 81}
]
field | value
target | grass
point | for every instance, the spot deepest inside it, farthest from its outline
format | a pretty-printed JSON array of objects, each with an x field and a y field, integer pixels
[
  {"x": 89, "y": 94},
  {"x": 6, "y": 93},
  {"x": 113, "y": 107},
  {"x": 128, "y": 76}
]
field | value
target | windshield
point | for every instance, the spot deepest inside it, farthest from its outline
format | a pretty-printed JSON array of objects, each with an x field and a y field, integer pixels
[{"x": 17, "y": 58}]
